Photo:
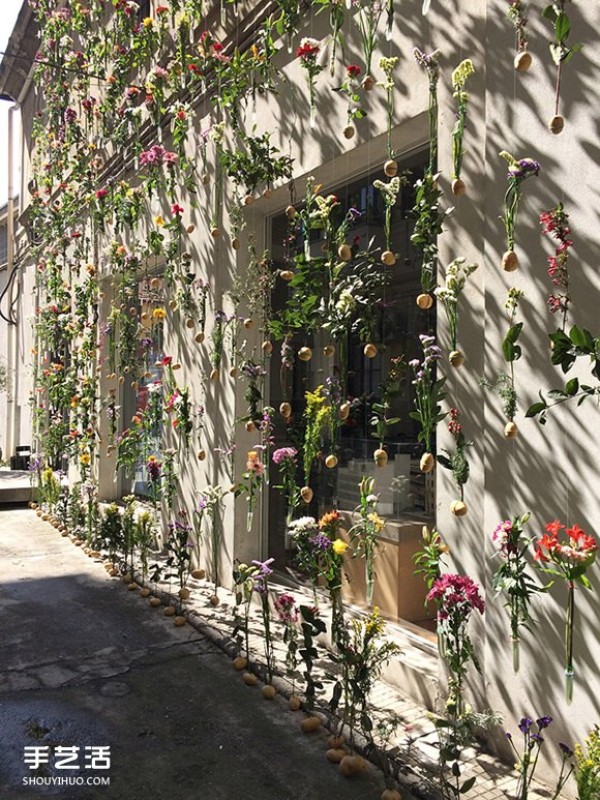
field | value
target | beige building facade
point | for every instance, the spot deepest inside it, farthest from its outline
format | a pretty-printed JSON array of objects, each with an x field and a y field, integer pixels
[{"x": 550, "y": 470}]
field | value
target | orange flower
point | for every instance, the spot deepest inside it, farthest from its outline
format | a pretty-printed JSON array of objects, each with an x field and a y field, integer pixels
[{"x": 330, "y": 519}]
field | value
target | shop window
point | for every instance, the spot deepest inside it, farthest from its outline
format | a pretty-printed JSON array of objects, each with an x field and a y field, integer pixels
[
  {"x": 149, "y": 384},
  {"x": 406, "y": 494}
]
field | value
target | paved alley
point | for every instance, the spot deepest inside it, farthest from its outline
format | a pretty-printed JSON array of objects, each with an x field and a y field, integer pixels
[{"x": 84, "y": 664}]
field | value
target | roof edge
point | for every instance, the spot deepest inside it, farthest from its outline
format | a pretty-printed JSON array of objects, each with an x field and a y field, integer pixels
[{"x": 20, "y": 54}]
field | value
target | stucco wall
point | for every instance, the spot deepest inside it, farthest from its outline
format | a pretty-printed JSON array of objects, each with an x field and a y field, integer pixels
[{"x": 549, "y": 470}]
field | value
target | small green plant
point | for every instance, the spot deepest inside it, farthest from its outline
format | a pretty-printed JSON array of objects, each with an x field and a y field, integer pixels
[
  {"x": 288, "y": 614},
  {"x": 365, "y": 534},
  {"x": 512, "y": 578},
  {"x": 518, "y": 172},
  {"x": 111, "y": 531},
  {"x": 587, "y": 766},
  {"x": 428, "y": 560},
  {"x": 380, "y": 421},
  {"x": 179, "y": 545},
  {"x": 460, "y": 77},
  {"x": 566, "y": 348},
  {"x": 144, "y": 535},
  {"x": 560, "y": 50},
  {"x": 243, "y": 588},
  {"x": 311, "y": 626},
  {"x": 456, "y": 461},
  {"x": 361, "y": 657},
  {"x": 527, "y": 760},
  {"x": 254, "y": 163}
]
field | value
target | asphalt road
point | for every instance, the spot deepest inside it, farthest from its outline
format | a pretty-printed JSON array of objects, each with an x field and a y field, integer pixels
[{"x": 86, "y": 664}]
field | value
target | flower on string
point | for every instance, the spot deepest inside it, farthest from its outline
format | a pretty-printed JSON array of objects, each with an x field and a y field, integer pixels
[
  {"x": 308, "y": 54},
  {"x": 457, "y": 595},
  {"x": 153, "y": 467},
  {"x": 287, "y": 611},
  {"x": 261, "y": 577},
  {"x": 570, "y": 557},
  {"x": 284, "y": 453},
  {"x": 555, "y": 223}
]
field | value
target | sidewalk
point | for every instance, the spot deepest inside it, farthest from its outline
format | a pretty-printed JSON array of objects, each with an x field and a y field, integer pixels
[
  {"x": 414, "y": 739},
  {"x": 86, "y": 663}
]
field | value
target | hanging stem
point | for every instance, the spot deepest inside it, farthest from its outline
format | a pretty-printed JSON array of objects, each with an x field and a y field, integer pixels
[
  {"x": 569, "y": 672},
  {"x": 558, "y": 82},
  {"x": 433, "y": 123}
]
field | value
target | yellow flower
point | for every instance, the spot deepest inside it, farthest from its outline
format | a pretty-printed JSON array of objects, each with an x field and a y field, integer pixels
[
  {"x": 377, "y": 521},
  {"x": 374, "y": 625},
  {"x": 159, "y": 314},
  {"x": 159, "y": 220},
  {"x": 148, "y": 22},
  {"x": 85, "y": 459},
  {"x": 339, "y": 547},
  {"x": 464, "y": 70}
]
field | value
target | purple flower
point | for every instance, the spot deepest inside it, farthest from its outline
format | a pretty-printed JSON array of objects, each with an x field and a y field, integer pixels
[
  {"x": 261, "y": 578},
  {"x": 284, "y": 453},
  {"x": 320, "y": 542},
  {"x": 535, "y": 737},
  {"x": 543, "y": 722},
  {"x": 566, "y": 750},
  {"x": 525, "y": 724}
]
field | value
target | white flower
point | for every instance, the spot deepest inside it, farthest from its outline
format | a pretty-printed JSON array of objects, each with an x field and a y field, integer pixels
[{"x": 346, "y": 302}]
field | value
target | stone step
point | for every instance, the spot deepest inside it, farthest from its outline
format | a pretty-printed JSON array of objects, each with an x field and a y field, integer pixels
[{"x": 15, "y": 487}]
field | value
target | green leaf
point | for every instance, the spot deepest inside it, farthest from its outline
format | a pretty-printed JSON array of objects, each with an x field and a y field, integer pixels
[
  {"x": 562, "y": 26},
  {"x": 468, "y": 785},
  {"x": 336, "y": 696},
  {"x": 572, "y": 387},
  {"x": 535, "y": 409},
  {"x": 549, "y": 13},
  {"x": 581, "y": 338}
]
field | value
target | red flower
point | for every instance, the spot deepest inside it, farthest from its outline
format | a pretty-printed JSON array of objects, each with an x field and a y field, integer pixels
[
  {"x": 353, "y": 70},
  {"x": 161, "y": 10},
  {"x": 308, "y": 49},
  {"x": 165, "y": 361},
  {"x": 554, "y": 527},
  {"x": 176, "y": 209},
  {"x": 101, "y": 194}
]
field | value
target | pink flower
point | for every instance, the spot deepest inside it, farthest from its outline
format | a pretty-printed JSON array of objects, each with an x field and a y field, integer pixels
[
  {"x": 177, "y": 210},
  {"x": 456, "y": 594},
  {"x": 283, "y": 454},
  {"x": 101, "y": 194}
]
